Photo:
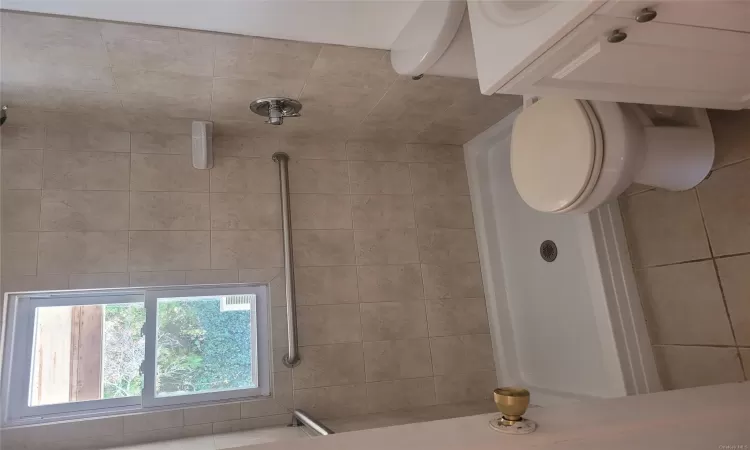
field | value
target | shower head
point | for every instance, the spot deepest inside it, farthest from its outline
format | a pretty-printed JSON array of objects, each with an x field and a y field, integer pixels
[{"x": 276, "y": 108}]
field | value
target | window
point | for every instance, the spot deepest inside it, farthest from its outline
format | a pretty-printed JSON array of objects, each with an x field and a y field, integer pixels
[{"x": 87, "y": 353}]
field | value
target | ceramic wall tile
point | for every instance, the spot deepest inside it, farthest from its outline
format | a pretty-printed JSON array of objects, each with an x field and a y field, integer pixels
[
  {"x": 333, "y": 401},
  {"x": 442, "y": 245},
  {"x": 465, "y": 387},
  {"x": 466, "y": 353},
  {"x": 169, "y": 211},
  {"x": 22, "y": 169},
  {"x": 318, "y": 177},
  {"x": 90, "y": 171},
  {"x": 323, "y": 247},
  {"x": 457, "y": 316},
  {"x": 88, "y": 140},
  {"x": 19, "y": 253},
  {"x": 374, "y": 177},
  {"x": 329, "y": 365},
  {"x": 395, "y": 360},
  {"x": 235, "y": 211},
  {"x": 246, "y": 249},
  {"x": 326, "y": 285},
  {"x": 84, "y": 210},
  {"x": 390, "y": 283},
  {"x": 158, "y": 278},
  {"x": 382, "y": 211},
  {"x": 320, "y": 211},
  {"x": 393, "y": 320},
  {"x": 328, "y": 324},
  {"x": 214, "y": 413},
  {"x": 161, "y": 143},
  {"x": 169, "y": 250},
  {"x": 244, "y": 175},
  {"x": 439, "y": 179},
  {"x": 83, "y": 252},
  {"x": 447, "y": 211},
  {"x": 98, "y": 280},
  {"x": 452, "y": 280},
  {"x": 137, "y": 54},
  {"x": 386, "y": 246},
  {"x": 21, "y": 209},
  {"x": 22, "y": 138},
  {"x": 172, "y": 173}
]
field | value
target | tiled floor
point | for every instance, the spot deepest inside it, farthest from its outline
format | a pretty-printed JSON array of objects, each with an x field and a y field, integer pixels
[{"x": 691, "y": 253}]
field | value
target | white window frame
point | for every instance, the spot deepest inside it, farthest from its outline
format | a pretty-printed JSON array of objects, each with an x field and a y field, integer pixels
[{"x": 17, "y": 343}]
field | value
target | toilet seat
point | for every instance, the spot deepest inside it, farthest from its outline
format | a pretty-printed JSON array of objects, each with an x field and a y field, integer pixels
[
  {"x": 560, "y": 164},
  {"x": 557, "y": 151}
]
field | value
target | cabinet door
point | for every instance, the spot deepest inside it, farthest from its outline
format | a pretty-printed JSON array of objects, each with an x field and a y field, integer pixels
[
  {"x": 731, "y": 15},
  {"x": 656, "y": 63}
]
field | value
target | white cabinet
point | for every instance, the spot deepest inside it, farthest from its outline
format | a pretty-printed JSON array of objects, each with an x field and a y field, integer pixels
[
  {"x": 733, "y": 15},
  {"x": 679, "y": 57},
  {"x": 656, "y": 63}
]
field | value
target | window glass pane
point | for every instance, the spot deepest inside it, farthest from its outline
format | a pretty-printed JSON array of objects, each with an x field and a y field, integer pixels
[
  {"x": 205, "y": 344},
  {"x": 86, "y": 352}
]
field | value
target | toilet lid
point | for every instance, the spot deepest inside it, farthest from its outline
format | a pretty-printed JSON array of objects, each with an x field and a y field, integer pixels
[{"x": 555, "y": 153}]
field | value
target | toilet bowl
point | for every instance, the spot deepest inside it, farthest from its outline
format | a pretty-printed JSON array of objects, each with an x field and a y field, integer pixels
[
  {"x": 437, "y": 41},
  {"x": 571, "y": 156}
]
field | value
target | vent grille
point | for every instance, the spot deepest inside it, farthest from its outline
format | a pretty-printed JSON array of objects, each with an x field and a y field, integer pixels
[{"x": 237, "y": 302}]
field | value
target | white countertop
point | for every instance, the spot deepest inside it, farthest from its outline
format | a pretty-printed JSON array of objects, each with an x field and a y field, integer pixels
[{"x": 707, "y": 418}]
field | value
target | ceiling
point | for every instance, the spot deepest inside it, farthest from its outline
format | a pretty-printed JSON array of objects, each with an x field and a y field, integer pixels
[
  {"x": 359, "y": 23},
  {"x": 65, "y": 72}
]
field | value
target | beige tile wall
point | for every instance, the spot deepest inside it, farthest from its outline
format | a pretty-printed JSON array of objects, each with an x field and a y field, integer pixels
[
  {"x": 691, "y": 252},
  {"x": 99, "y": 191},
  {"x": 391, "y": 310},
  {"x": 64, "y": 71}
]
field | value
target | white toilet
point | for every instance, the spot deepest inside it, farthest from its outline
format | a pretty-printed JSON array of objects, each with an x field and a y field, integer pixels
[
  {"x": 437, "y": 41},
  {"x": 571, "y": 156}
]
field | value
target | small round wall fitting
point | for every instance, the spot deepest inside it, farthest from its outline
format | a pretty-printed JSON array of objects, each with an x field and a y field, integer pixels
[
  {"x": 290, "y": 364},
  {"x": 276, "y": 108}
]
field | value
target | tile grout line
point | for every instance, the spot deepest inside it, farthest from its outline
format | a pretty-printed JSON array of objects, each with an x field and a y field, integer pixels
[
  {"x": 721, "y": 285},
  {"x": 421, "y": 279},
  {"x": 356, "y": 280},
  {"x": 731, "y": 255},
  {"x": 309, "y": 71},
  {"x": 41, "y": 195},
  {"x": 704, "y": 345},
  {"x": 130, "y": 196},
  {"x": 364, "y": 119},
  {"x": 714, "y": 169}
]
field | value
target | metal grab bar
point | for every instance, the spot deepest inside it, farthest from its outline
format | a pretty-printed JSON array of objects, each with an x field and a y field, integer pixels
[
  {"x": 299, "y": 416},
  {"x": 292, "y": 358}
]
